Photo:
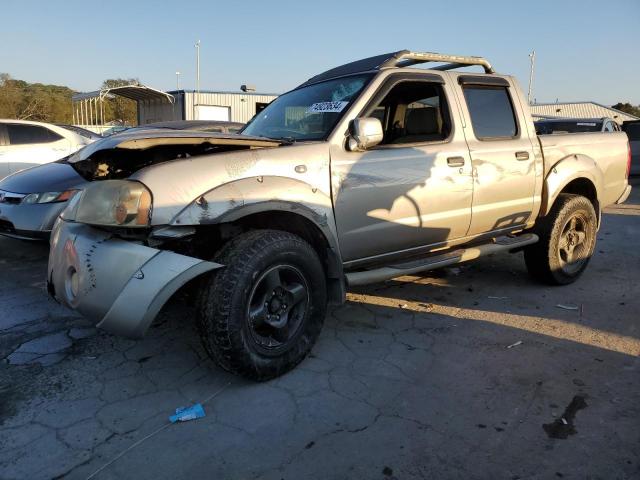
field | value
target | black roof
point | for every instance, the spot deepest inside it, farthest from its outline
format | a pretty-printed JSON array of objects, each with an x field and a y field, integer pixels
[{"x": 363, "y": 65}]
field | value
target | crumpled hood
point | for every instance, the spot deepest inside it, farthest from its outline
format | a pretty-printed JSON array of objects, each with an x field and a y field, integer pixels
[
  {"x": 50, "y": 177},
  {"x": 143, "y": 139},
  {"x": 122, "y": 155}
]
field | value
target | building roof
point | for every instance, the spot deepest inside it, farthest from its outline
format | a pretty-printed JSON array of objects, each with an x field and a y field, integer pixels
[{"x": 579, "y": 110}]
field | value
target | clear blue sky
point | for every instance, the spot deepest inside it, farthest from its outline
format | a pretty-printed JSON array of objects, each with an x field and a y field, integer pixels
[{"x": 586, "y": 50}]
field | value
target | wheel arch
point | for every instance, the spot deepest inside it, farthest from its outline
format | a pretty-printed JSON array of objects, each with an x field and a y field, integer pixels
[
  {"x": 275, "y": 203},
  {"x": 577, "y": 174}
]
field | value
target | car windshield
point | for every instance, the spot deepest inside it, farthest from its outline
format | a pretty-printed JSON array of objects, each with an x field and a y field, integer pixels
[
  {"x": 81, "y": 131},
  {"x": 546, "y": 128},
  {"x": 308, "y": 113}
]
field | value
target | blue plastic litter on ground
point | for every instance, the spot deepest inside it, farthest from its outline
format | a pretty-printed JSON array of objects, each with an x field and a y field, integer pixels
[{"x": 184, "y": 414}]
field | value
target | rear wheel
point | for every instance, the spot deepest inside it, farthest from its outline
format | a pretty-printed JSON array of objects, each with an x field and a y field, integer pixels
[
  {"x": 567, "y": 241},
  {"x": 260, "y": 315}
]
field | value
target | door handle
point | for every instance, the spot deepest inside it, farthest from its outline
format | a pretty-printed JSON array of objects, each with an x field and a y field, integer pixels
[
  {"x": 455, "y": 161},
  {"x": 522, "y": 155}
]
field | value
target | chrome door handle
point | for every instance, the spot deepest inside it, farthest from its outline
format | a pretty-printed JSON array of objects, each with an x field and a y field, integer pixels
[
  {"x": 455, "y": 161},
  {"x": 522, "y": 155}
]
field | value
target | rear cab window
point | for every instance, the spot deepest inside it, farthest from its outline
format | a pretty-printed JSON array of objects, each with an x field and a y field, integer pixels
[{"x": 491, "y": 111}]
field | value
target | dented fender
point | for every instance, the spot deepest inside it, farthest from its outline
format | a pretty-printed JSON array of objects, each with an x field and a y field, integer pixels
[
  {"x": 234, "y": 200},
  {"x": 564, "y": 172}
]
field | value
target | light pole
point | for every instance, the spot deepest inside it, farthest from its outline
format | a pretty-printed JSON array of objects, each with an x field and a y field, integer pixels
[
  {"x": 178, "y": 80},
  {"x": 532, "y": 59},
  {"x": 197, "y": 102}
]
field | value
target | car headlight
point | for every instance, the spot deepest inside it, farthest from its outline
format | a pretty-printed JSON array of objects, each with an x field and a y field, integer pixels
[
  {"x": 48, "y": 197},
  {"x": 115, "y": 203}
]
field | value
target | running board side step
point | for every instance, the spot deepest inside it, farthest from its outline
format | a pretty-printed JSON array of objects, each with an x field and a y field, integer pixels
[{"x": 454, "y": 257}]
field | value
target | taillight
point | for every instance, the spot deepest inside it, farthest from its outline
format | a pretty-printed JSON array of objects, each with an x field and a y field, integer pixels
[{"x": 628, "y": 160}]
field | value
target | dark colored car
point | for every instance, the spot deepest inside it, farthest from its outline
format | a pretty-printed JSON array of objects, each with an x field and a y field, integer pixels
[
  {"x": 632, "y": 129},
  {"x": 551, "y": 126}
]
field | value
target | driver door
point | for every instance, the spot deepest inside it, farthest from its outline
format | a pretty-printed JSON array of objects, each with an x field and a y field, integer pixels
[{"x": 415, "y": 188}]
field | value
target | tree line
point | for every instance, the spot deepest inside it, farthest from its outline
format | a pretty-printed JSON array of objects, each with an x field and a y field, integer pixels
[{"x": 52, "y": 103}]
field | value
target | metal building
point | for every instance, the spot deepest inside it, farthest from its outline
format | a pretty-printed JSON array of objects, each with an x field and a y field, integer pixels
[
  {"x": 205, "y": 105},
  {"x": 579, "y": 110}
]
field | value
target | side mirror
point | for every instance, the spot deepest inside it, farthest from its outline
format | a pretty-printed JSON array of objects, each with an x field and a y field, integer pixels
[{"x": 365, "y": 133}]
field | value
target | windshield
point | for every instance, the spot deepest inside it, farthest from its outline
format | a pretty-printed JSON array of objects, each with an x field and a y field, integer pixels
[
  {"x": 81, "y": 131},
  {"x": 546, "y": 128},
  {"x": 308, "y": 113}
]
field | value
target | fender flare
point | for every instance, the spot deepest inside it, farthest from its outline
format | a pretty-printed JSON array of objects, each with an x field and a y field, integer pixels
[
  {"x": 234, "y": 200},
  {"x": 573, "y": 167}
]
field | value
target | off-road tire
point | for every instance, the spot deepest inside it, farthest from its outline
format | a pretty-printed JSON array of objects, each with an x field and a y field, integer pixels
[
  {"x": 224, "y": 327},
  {"x": 543, "y": 258}
]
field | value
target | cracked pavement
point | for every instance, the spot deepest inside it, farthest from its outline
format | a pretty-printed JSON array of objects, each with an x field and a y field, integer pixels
[{"x": 412, "y": 378}]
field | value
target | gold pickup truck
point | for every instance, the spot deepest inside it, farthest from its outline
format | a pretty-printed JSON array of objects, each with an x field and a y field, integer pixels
[{"x": 368, "y": 171}]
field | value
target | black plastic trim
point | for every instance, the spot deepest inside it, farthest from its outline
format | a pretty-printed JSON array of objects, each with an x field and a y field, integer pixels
[{"x": 483, "y": 80}]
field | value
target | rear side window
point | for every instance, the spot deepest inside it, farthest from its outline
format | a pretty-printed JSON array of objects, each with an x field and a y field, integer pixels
[
  {"x": 491, "y": 112},
  {"x": 27, "y": 134}
]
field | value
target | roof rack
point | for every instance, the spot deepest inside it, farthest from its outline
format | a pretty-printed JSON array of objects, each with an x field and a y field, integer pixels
[{"x": 403, "y": 58}]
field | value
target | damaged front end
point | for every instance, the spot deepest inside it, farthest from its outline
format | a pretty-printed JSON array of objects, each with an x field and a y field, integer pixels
[{"x": 119, "y": 285}]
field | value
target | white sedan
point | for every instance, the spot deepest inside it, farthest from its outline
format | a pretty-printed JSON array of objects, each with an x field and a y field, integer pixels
[{"x": 25, "y": 144}]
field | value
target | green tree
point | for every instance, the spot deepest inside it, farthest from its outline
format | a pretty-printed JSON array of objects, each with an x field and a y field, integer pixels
[
  {"x": 34, "y": 101},
  {"x": 626, "y": 107}
]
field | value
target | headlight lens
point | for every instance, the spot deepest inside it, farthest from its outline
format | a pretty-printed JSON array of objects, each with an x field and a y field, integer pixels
[
  {"x": 120, "y": 203},
  {"x": 49, "y": 197}
]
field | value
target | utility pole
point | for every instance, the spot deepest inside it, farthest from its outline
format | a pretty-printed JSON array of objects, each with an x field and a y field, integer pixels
[
  {"x": 532, "y": 60},
  {"x": 177, "y": 80},
  {"x": 197, "y": 102}
]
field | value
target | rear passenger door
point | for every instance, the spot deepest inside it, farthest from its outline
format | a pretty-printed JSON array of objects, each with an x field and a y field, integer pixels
[{"x": 502, "y": 155}]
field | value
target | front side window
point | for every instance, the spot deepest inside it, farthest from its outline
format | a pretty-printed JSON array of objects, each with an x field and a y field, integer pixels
[
  {"x": 413, "y": 112},
  {"x": 27, "y": 134},
  {"x": 491, "y": 111},
  {"x": 308, "y": 113}
]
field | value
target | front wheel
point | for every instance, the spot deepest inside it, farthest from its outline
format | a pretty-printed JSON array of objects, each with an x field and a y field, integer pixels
[
  {"x": 261, "y": 314},
  {"x": 567, "y": 241}
]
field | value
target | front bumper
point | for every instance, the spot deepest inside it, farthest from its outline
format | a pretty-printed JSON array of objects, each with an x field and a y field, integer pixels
[
  {"x": 119, "y": 285},
  {"x": 29, "y": 222}
]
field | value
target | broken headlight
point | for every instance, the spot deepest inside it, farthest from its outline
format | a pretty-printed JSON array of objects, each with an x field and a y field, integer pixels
[{"x": 113, "y": 203}]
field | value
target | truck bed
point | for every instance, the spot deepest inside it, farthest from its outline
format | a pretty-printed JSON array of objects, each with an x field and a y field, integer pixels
[{"x": 608, "y": 150}]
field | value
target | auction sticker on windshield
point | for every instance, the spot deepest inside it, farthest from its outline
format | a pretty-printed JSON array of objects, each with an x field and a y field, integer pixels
[{"x": 327, "y": 107}]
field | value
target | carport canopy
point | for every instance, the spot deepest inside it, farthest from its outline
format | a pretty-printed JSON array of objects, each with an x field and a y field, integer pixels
[
  {"x": 88, "y": 106},
  {"x": 134, "y": 92}
]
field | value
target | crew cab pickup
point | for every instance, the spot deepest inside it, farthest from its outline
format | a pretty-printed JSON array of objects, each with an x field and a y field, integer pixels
[{"x": 369, "y": 171}]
